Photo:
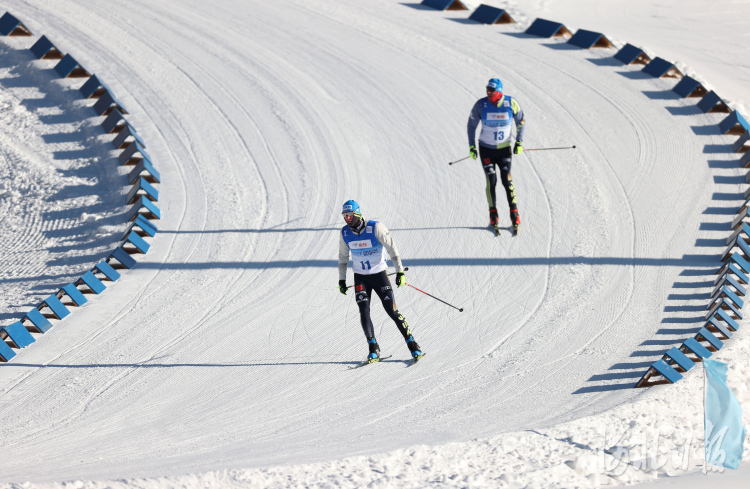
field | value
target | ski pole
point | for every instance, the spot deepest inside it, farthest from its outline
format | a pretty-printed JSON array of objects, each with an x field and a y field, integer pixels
[
  {"x": 547, "y": 149},
  {"x": 462, "y": 159},
  {"x": 425, "y": 293},
  {"x": 390, "y": 274}
]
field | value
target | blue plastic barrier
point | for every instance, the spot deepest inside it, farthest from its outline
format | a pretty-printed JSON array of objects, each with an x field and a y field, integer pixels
[
  {"x": 660, "y": 68},
  {"x": 121, "y": 140},
  {"x": 10, "y": 26},
  {"x": 734, "y": 124},
  {"x": 6, "y": 352},
  {"x": 37, "y": 320},
  {"x": 727, "y": 293},
  {"x": 123, "y": 257},
  {"x": 58, "y": 308},
  {"x": 94, "y": 88},
  {"x": 588, "y": 39},
  {"x": 679, "y": 358},
  {"x": 144, "y": 227},
  {"x": 106, "y": 103},
  {"x": 728, "y": 280},
  {"x": 662, "y": 368},
  {"x": 715, "y": 326},
  {"x": 44, "y": 49},
  {"x": 630, "y": 55},
  {"x": 144, "y": 169},
  {"x": 133, "y": 154},
  {"x": 547, "y": 28},
  {"x": 106, "y": 269},
  {"x": 727, "y": 306},
  {"x": 89, "y": 280},
  {"x": 721, "y": 315},
  {"x": 444, "y": 4},
  {"x": 138, "y": 243},
  {"x": 73, "y": 293},
  {"x": 712, "y": 103},
  {"x": 148, "y": 191},
  {"x": 714, "y": 343},
  {"x": 68, "y": 67},
  {"x": 689, "y": 87},
  {"x": 739, "y": 261},
  {"x": 739, "y": 145},
  {"x": 151, "y": 211},
  {"x": 486, "y": 14},
  {"x": 693, "y": 346},
  {"x": 114, "y": 122},
  {"x": 18, "y": 334}
]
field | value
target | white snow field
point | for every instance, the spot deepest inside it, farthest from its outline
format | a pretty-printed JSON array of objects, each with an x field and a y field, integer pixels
[{"x": 221, "y": 359}]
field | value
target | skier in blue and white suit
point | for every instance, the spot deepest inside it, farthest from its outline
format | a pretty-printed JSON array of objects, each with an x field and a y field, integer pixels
[
  {"x": 367, "y": 241},
  {"x": 497, "y": 113}
]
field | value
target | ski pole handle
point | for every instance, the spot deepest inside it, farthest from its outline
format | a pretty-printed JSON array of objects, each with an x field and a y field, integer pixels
[
  {"x": 547, "y": 149},
  {"x": 462, "y": 159},
  {"x": 425, "y": 293},
  {"x": 389, "y": 275}
]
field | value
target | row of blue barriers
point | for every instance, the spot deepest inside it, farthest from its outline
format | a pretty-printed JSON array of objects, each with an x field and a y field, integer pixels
[
  {"x": 730, "y": 286},
  {"x": 142, "y": 198}
]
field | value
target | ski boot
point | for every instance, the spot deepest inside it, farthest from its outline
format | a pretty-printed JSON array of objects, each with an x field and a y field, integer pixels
[
  {"x": 416, "y": 351},
  {"x": 374, "y": 355},
  {"x": 494, "y": 220},
  {"x": 515, "y": 219}
]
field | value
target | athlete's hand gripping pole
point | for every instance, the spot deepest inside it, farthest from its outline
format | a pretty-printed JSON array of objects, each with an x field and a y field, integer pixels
[
  {"x": 425, "y": 293},
  {"x": 390, "y": 275}
]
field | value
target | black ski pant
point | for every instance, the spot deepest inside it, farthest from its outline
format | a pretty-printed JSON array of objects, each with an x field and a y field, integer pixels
[
  {"x": 363, "y": 287},
  {"x": 502, "y": 158}
]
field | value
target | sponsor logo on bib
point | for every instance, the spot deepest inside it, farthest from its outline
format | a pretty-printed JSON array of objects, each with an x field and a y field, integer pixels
[
  {"x": 497, "y": 116},
  {"x": 356, "y": 245}
]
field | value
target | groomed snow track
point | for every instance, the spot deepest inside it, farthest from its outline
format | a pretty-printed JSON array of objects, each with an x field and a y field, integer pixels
[{"x": 227, "y": 346}]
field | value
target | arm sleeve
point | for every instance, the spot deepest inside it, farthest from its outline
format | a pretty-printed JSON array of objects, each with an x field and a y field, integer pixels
[
  {"x": 384, "y": 236},
  {"x": 343, "y": 257},
  {"x": 474, "y": 119},
  {"x": 519, "y": 119}
]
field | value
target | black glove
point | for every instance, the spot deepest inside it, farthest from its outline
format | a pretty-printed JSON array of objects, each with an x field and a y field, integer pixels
[
  {"x": 400, "y": 279},
  {"x": 342, "y": 286},
  {"x": 473, "y": 152}
]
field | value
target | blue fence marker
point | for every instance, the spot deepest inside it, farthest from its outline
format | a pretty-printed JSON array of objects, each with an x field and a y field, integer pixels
[
  {"x": 726, "y": 305},
  {"x": 660, "y": 67},
  {"x": 486, "y": 14},
  {"x": 632, "y": 55},
  {"x": 44, "y": 49},
  {"x": 106, "y": 269},
  {"x": 18, "y": 334},
  {"x": 93, "y": 283},
  {"x": 68, "y": 67},
  {"x": 712, "y": 103},
  {"x": 122, "y": 256},
  {"x": 588, "y": 39},
  {"x": 444, "y": 4},
  {"x": 547, "y": 28},
  {"x": 696, "y": 348},
  {"x": 58, "y": 308},
  {"x": 679, "y": 358},
  {"x": 133, "y": 154},
  {"x": 6, "y": 352},
  {"x": 661, "y": 367},
  {"x": 114, "y": 122},
  {"x": 709, "y": 337},
  {"x": 10, "y": 26},
  {"x": 94, "y": 88},
  {"x": 138, "y": 242},
  {"x": 75, "y": 295},
  {"x": 106, "y": 103},
  {"x": 152, "y": 212},
  {"x": 734, "y": 124},
  {"x": 38, "y": 320},
  {"x": 121, "y": 140},
  {"x": 689, "y": 87},
  {"x": 142, "y": 185},
  {"x": 144, "y": 169},
  {"x": 739, "y": 146}
]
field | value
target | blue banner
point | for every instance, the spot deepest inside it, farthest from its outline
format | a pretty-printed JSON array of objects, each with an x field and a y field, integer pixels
[{"x": 725, "y": 434}]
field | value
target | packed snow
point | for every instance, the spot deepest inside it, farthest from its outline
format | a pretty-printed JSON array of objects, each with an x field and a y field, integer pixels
[{"x": 221, "y": 359}]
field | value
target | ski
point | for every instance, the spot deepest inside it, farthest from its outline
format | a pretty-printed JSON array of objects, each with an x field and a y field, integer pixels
[
  {"x": 497, "y": 230},
  {"x": 415, "y": 360},
  {"x": 362, "y": 364}
]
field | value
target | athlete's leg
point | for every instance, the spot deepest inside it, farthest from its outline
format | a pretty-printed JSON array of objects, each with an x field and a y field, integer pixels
[
  {"x": 504, "y": 164},
  {"x": 488, "y": 165},
  {"x": 362, "y": 292},
  {"x": 382, "y": 286}
]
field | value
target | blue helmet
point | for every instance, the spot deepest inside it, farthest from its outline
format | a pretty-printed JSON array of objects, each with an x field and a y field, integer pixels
[
  {"x": 351, "y": 206},
  {"x": 496, "y": 84}
]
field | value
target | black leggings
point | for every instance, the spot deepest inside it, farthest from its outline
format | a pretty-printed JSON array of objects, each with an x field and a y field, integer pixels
[
  {"x": 363, "y": 287},
  {"x": 502, "y": 158}
]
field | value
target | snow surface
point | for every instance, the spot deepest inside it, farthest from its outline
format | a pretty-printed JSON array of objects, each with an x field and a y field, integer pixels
[{"x": 221, "y": 359}]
